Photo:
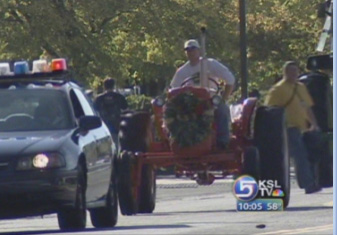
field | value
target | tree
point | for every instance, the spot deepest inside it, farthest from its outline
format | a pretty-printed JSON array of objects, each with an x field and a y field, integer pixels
[{"x": 143, "y": 39}]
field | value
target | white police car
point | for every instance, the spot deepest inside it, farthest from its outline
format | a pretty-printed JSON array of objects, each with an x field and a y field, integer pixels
[{"x": 56, "y": 155}]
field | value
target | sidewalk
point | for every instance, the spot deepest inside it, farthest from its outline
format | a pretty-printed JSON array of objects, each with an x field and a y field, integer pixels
[{"x": 170, "y": 179}]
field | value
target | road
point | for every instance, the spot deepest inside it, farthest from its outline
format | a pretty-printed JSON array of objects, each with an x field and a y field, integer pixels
[{"x": 183, "y": 207}]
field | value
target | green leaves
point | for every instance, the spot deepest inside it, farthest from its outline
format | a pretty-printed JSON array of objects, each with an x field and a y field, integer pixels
[
  {"x": 139, "y": 102},
  {"x": 123, "y": 38}
]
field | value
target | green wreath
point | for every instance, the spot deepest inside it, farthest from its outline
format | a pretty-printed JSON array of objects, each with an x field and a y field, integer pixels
[{"x": 188, "y": 119}]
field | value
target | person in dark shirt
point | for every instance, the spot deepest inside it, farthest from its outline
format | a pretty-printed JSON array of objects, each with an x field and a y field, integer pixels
[{"x": 110, "y": 104}]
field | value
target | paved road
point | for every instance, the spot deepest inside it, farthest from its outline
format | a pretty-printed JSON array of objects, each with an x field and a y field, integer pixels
[{"x": 183, "y": 207}]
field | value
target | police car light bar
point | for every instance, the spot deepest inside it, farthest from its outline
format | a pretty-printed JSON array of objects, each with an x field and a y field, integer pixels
[
  {"x": 58, "y": 65},
  {"x": 40, "y": 66},
  {"x": 41, "y": 70},
  {"x": 5, "y": 69},
  {"x": 21, "y": 67}
]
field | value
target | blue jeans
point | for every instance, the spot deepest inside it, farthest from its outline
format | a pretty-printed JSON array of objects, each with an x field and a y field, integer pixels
[
  {"x": 304, "y": 169},
  {"x": 222, "y": 120}
]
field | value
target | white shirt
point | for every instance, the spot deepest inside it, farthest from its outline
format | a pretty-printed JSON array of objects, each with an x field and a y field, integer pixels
[{"x": 215, "y": 70}]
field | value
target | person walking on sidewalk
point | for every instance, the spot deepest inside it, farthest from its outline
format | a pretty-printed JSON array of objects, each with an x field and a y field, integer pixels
[
  {"x": 295, "y": 98},
  {"x": 110, "y": 104}
]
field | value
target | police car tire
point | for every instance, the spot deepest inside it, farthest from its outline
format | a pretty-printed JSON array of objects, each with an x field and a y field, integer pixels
[
  {"x": 147, "y": 190},
  {"x": 105, "y": 217},
  {"x": 270, "y": 137},
  {"x": 126, "y": 186},
  {"x": 75, "y": 218},
  {"x": 251, "y": 162}
]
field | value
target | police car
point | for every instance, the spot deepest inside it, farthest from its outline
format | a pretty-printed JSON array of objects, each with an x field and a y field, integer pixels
[{"x": 56, "y": 155}]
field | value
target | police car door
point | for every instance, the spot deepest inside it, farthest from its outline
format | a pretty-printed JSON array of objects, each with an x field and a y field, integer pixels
[{"x": 100, "y": 159}]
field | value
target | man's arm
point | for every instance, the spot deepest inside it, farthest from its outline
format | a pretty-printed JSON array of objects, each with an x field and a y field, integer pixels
[
  {"x": 306, "y": 97},
  {"x": 312, "y": 119},
  {"x": 96, "y": 103},
  {"x": 274, "y": 98},
  {"x": 220, "y": 71},
  {"x": 176, "y": 80},
  {"x": 123, "y": 102},
  {"x": 227, "y": 92}
]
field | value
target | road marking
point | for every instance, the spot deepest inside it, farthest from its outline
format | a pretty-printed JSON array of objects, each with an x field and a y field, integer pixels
[
  {"x": 301, "y": 230},
  {"x": 328, "y": 204}
]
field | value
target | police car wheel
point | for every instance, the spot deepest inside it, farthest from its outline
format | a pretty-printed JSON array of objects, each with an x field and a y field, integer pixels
[
  {"x": 75, "y": 218},
  {"x": 105, "y": 217}
]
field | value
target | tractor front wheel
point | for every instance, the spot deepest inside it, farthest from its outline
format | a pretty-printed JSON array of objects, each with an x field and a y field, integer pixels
[{"x": 127, "y": 187}]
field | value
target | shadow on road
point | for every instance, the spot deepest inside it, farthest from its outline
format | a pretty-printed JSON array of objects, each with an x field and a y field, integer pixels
[
  {"x": 290, "y": 209},
  {"x": 117, "y": 228},
  {"x": 187, "y": 212},
  {"x": 309, "y": 208}
]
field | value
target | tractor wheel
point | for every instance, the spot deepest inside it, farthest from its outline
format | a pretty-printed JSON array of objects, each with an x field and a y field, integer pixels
[
  {"x": 127, "y": 188},
  {"x": 147, "y": 190},
  {"x": 135, "y": 131},
  {"x": 319, "y": 87},
  {"x": 270, "y": 138},
  {"x": 251, "y": 162},
  {"x": 135, "y": 134},
  {"x": 105, "y": 217}
]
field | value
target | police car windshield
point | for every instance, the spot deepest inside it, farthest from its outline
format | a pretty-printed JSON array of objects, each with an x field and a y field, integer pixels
[{"x": 33, "y": 110}]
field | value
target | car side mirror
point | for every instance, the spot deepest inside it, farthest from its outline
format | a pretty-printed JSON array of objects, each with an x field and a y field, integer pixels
[{"x": 87, "y": 123}]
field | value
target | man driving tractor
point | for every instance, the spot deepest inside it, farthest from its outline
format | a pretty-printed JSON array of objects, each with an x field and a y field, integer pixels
[{"x": 214, "y": 70}]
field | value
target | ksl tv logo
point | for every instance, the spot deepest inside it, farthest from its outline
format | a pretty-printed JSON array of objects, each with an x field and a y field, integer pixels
[{"x": 246, "y": 188}]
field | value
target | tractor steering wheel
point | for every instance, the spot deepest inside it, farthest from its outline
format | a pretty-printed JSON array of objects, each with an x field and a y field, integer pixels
[{"x": 192, "y": 78}]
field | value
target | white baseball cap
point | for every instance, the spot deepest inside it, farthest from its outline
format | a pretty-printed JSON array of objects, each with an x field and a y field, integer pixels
[{"x": 192, "y": 43}]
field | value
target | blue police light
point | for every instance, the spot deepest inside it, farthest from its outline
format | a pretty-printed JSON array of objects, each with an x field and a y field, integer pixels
[{"x": 21, "y": 67}]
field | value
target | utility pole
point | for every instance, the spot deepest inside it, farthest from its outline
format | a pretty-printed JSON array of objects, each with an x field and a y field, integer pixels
[
  {"x": 327, "y": 29},
  {"x": 243, "y": 49}
]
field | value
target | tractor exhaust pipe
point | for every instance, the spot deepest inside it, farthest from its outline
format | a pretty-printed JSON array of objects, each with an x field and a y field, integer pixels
[{"x": 203, "y": 66}]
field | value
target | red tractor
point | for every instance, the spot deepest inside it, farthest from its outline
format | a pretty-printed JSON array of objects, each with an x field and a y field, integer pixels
[{"x": 181, "y": 133}]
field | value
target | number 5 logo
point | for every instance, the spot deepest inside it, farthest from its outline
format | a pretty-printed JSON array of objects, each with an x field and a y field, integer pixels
[{"x": 245, "y": 188}]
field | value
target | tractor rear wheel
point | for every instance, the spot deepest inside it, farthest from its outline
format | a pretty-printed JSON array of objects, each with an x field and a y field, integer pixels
[
  {"x": 270, "y": 138},
  {"x": 319, "y": 87},
  {"x": 251, "y": 162}
]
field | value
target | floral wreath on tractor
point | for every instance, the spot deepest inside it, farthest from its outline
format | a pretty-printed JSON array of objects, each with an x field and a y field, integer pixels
[{"x": 188, "y": 119}]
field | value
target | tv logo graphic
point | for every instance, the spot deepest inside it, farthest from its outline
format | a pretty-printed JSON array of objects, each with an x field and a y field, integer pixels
[
  {"x": 270, "y": 188},
  {"x": 245, "y": 189}
]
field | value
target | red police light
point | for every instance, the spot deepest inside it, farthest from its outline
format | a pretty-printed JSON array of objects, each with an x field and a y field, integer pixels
[{"x": 58, "y": 65}]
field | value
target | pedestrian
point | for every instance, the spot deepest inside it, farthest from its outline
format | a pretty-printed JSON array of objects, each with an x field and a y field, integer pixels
[
  {"x": 295, "y": 98},
  {"x": 110, "y": 105},
  {"x": 216, "y": 71},
  {"x": 254, "y": 93}
]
